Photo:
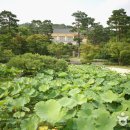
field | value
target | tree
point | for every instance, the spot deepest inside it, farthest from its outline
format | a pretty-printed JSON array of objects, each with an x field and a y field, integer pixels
[
  {"x": 97, "y": 34},
  {"x": 46, "y": 28},
  {"x": 5, "y": 55},
  {"x": 24, "y": 31},
  {"x": 39, "y": 27},
  {"x": 5, "y": 41},
  {"x": 37, "y": 43},
  {"x": 119, "y": 22},
  {"x": 88, "y": 52},
  {"x": 119, "y": 51},
  {"x": 35, "y": 26},
  {"x": 81, "y": 25},
  {"x": 8, "y": 23},
  {"x": 18, "y": 45},
  {"x": 56, "y": 50}
]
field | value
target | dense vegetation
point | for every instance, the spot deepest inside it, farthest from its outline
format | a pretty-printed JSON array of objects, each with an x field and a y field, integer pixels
[
  {"x": 81, "y": 98},
  {"x": 38, "y": 87},
  {"x": 113, "y": 41},
  {"x": 34, "y": 37}
]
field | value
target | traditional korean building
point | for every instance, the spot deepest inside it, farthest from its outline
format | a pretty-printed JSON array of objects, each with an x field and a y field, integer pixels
[{"x": 64, "y": 36}]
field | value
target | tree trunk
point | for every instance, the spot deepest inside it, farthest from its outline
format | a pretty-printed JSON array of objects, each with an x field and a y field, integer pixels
[
  {"x": 78, "y": 44},
  {"x": 119, "y": 61}
]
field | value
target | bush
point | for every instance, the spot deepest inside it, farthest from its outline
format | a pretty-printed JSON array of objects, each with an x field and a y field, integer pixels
[
  {"x": 125, "y": 57},
  {"x": 5, "y": 55},
  {"x": 88, "y": 53},
  {"x": 37, "y": 43},
  {"x": 61, "y": 65},
  {"x": 29, "y": 63},
  {"x": 54, "y": 63},
  {"x": 33, "y": 63},
  {"x": 119, "y": 52}
]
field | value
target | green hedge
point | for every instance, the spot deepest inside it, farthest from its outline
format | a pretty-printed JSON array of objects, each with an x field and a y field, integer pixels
[{"x": 33, "y": 63}]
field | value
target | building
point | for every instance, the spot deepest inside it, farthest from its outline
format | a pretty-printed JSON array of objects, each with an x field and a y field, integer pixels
[{"x": 64, "y": 36}]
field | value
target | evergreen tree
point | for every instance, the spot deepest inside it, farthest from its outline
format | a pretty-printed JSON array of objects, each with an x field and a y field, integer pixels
[
  {"x": 8, "y": 23},
  {"x": 120, "y": 23}
]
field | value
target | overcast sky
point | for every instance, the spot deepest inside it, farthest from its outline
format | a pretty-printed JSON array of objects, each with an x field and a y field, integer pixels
[{"x": 60, "y": 11}]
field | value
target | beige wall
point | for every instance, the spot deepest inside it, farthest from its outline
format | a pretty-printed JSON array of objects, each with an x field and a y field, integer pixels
[{"x": 62, "y": 37}]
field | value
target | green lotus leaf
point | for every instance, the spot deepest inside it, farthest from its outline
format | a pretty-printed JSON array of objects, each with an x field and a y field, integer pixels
[
  {"x": 103, "y": 120},
  {"x": 49, "y": 111},
  {"x": 99, "y": 81},
  {"x": 91, "y": 81},
  {"x": 80, "y": 98},
  {"x": 30, "y": 123},
  {"x": 74, "y": 91},
  {"x": 19, "y": 114},
  {"x": 85, "y": 124},
  {"x": 68, "y": 102},
  {"x": 62, "y": 74},
  {"x": 44, "y": 87},
  {"x": 19, "y": 102},
  {"x": 109, "y": 96}
]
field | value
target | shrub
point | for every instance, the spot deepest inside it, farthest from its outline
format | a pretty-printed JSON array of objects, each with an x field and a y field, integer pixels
[
  {"x": 119, "y": 52},
  {"x": 61, "y": 65},
  {"x": 37, "y": 43},
  {"x": 125, "y": 57},
  {"x": 88, "y": 52},
  {"x": 33, "y": 63},
  {"x": 29, "y": 63},
  {"x": 5, "y": 55},
  {"x": 54, "y": 63}
]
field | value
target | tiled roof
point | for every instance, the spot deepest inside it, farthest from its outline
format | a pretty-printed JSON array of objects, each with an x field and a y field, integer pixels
[{"x": 62, "y": 31}]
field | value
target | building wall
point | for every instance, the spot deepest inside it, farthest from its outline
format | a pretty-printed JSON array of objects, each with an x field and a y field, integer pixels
[{"x": 65, "y": 38}]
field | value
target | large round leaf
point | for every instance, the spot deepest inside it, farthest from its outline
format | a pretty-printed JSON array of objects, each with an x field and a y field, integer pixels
[
  {"x": 49, "y": 111},
  {"x": 109, "y": 96},
  {"x": 67, "y": 102}
]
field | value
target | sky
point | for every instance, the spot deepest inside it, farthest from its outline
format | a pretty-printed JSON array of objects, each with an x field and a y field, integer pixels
[{"x": 60, "y": 11}]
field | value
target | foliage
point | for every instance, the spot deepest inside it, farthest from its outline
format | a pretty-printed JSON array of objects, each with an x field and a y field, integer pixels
[
  {"x": 37, "y": 43},
  {"x": 33, "y": 63},
  {"x": 23, "y": 31},
  {"x": 54, "y": 63},
  {"x": 19, "y": 45},
  {"x": 84, "y": 97},
  {"x": 61, "y": 65},
  {"x": 120, "y": 23},
  {"x": 88, "y": 52},
  {"x": 61, "y": 50},
  {"x": 30, "y": 63},
  {"x": 8, "y": 22},
  {"x": 39, "y": 27},
  {"x": 5, "y": 41},
  {"x": 56, "y": 49},
  {"x": 81, "y": 25},
  {"x": 5, "y": 55},
  {"x": 6, "y": 72},
  {"x": 125, "y": 57},
  {"x": 46, "y": 28},
  {"x": 97, "y": 34},
  {"x": 119, "y": 51}
]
